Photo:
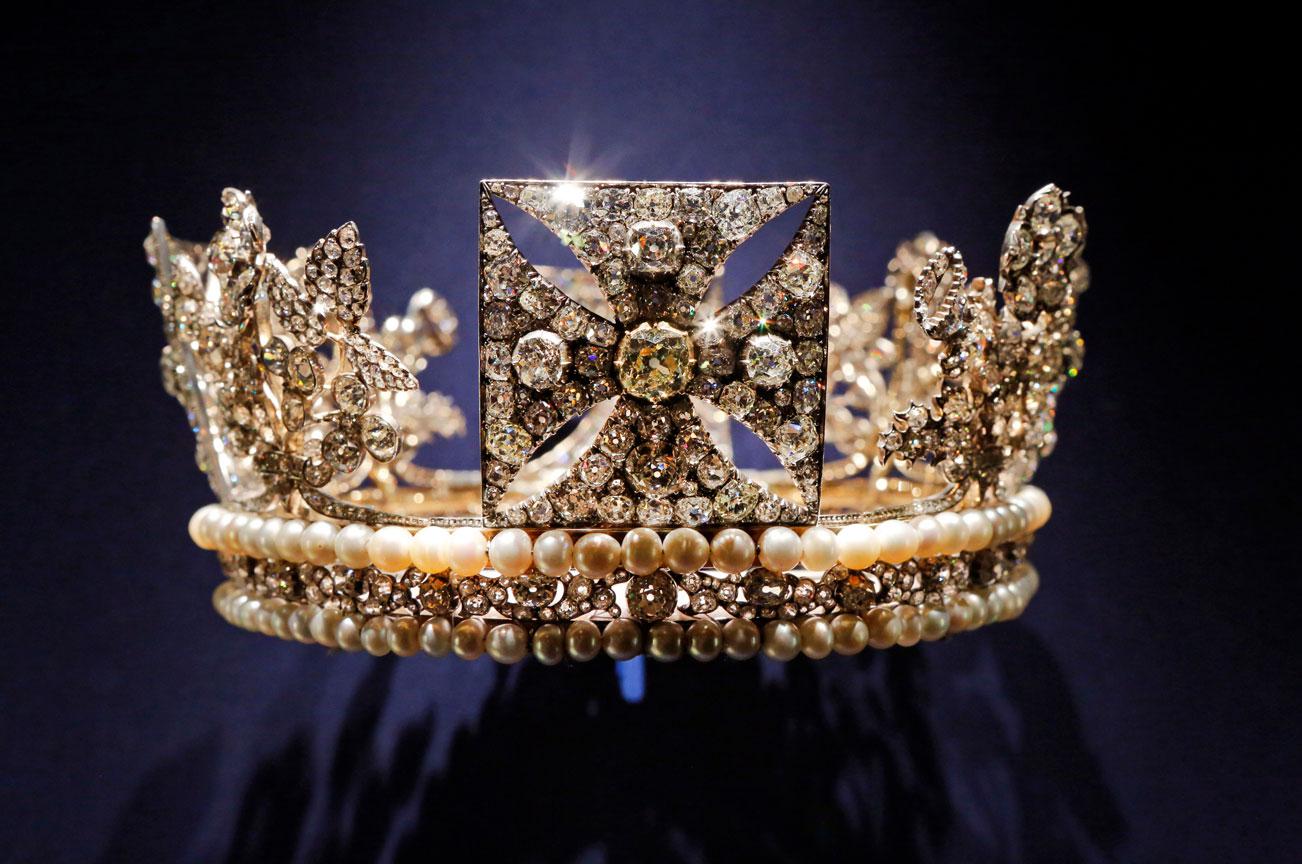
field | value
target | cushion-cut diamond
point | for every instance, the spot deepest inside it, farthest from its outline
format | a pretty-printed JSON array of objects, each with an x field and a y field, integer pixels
[
  {"x": 768, "y": 360},
  {"x": 539, "y": 359},
  {"x": 655, "y": 361},
  {"x": 655, "y": 248}
]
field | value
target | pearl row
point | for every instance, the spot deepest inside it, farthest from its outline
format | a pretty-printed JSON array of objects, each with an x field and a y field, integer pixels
[
  {"x": 469, "y": 551},
  {"x": 814, "y": 636}
]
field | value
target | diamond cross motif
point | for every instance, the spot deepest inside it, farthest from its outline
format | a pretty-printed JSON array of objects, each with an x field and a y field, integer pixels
[{"x": 653, "y": 249}]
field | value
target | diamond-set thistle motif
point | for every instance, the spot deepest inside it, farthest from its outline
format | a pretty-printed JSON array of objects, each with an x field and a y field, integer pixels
[{"x": 653, "y": 248}]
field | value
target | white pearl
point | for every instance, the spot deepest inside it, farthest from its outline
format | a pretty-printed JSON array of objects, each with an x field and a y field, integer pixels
[
  {"x": 1037, "y": 505},
  {"x": 248, "y": 536},
  {"x": 267, "y": 536},
  {"x": 779, "y": 549},
  {"x": 350, "y": 545},
  {"x": 390, "y": 548},
  {"x": 929, "y": 535},
  {"x": 818, "y": 548},
  {"x": 953, "y": 533},
  {"x": 510, "y": 552},
  {"x": 231, "y": 532},
  {"x": 858, "y": 546},
  {"x": 979, "y": 530},
  {"x": 289, "y": 542},
  {"x": 553, "y": 553},
  {"x": 898, "y": 541},
  {"x": 213, "y": 524},
  {"x": 431, "y": 549},
  {"x": 223, "y": 525},
  {"x": 318, "y": 543},
  {"x": 198, "y": 527},
  {"x": 468, "y": 551}
]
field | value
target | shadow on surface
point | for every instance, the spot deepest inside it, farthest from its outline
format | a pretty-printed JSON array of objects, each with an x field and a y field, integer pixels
[{"x": 903, "y": 756}]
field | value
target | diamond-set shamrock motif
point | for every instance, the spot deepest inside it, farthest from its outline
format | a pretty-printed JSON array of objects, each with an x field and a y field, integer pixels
[{"x": 653, "y": 249}]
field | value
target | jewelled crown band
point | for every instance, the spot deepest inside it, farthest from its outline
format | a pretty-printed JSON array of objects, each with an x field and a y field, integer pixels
[{"x": 608, "y": 513}]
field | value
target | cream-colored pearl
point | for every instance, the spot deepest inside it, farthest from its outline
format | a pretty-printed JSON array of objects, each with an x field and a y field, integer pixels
[
  {"x": 246, "y": 614},
  {"x": 818, "y": 549},
  {"x": 468, "y": 636},
  {"x": 884, "y": 627},
  {"x": 511, "y": 553},
  {"x": 1037, "y": 504},
  {"x": 404, "y": 636},
  {"x": 280, "y": 621},
  {"x": 375, "y": 636},
  {"x": 816, "y": 637},
  {"x": 781, "y": 640},
  {"x": 198, "y": 528},
  {"x": 229, "y": 528},
  {"x": 318, "y": 542},
  {"x": 935, "y": 623},
  {"x": 953, "y": 533},
  {"x": 779, "y": 549},
  {"x": 583, "y": 638},
  {"x": 436, "y": 636},
  {"x": 350, "y": 545},
  {"x": 349, "y": 632},
  {"x": 468, "y": 552},
  {"x": 960, "y": 615},
  {"x": 597, "y": 555},
  {"x": 431, "y": 549},
  {"x": 704, "y": 639},
  {"x": 858, "y": 546},
  {"x": 980, "y": 530},
  {"x": 507, "y": 643},
  {"x": 642, "y": 552},
  {"x": 686, "y": 550},
  {"x": 974, "y": 601},
  {"x": 553, "y": 553},
  {"x": 1007, "y": 601},
  {"x": 929, "y": 534},
  {"x": 390, "y": 549},
  {"x": 994, "y": 606},
  {"x": 289, "y": 541},
  {"x": 300, "y": 623},
  {"x": 732, "y": 550},
  {"x": 267, "y": 536},
  {"x": 741, "y": 639},
  {"x": 665, "y": 642},
  {"x": 1020, "y": 516},
  {"x": 849, "y": 634},
  {"x": 247, "y": 537},
  {"x": 910, "y": 626},
  {"x": 622, "y": 639},
  {"x": 325, "y": 627},
  {"x": 548, "y": 643},
  {"x": 899, "y": 542}
]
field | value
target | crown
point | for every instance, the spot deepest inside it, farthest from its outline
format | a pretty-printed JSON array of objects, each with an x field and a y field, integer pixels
[{"x": 609, "y": 514}]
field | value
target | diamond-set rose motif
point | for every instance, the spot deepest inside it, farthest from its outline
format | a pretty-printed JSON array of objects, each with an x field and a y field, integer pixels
[{"x": 653, "y": 248}]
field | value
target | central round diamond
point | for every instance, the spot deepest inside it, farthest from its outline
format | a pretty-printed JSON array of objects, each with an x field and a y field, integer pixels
[{"x": 655, "y": 361}]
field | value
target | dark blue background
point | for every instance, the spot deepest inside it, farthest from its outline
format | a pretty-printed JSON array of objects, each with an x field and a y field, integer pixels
[{"x": 1139, "y": 711}]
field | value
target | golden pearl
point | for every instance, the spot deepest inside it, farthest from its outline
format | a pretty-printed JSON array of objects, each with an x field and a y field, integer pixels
[
  {"x": 849, "y": 634},
  {"x": 468, "y": 638},
  {"x": 349, "y": 632},
  {"x": 665, "y": 642},
  {"x": 816, "y": 637},
  {"x": 431, "y": 549},
  {"x": 375, "y": 636},
  {"x": 884, "y": 627},
  {"x": 583, "y": 639},
  {"x": 858, "y": 546},
  {"x": 507, "y": 643},
  {"x": 935, "y": 623},
  {"x": 732, "y": 550},
  {"x": 781, "y": 640},
  {"x": 642, "y": 552},
  {"x": 436, "y": 636},
  {"x": 910, "y": 626},
  {"x": 704, "y": 639},
  {"x": 597, "y": 555},
  {"x": 390, "y": 549},
  {"x": 549, "y": 644},
  {"x": 741, "y": 639},
  {"x": 686, "y": 550},
  {"x": 899, "y": 541},
  {"x": 622, "y": 639},
  {"x": 404, "y": 636}
]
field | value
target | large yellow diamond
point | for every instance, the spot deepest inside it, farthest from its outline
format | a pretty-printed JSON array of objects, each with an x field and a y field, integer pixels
[{"x": 655, "y": 361}]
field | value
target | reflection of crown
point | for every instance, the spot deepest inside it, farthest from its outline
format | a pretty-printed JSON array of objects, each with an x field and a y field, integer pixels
[{"x": 609, "y": 513}]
